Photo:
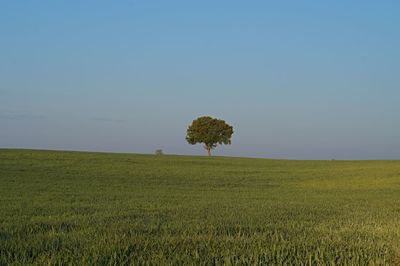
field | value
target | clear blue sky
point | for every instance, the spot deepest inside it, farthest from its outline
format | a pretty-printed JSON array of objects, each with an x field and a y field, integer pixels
[{"x": 296, "y": 79}]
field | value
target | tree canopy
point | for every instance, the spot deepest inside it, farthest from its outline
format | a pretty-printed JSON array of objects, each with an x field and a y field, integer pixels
[{"x": 209, "y": 131}]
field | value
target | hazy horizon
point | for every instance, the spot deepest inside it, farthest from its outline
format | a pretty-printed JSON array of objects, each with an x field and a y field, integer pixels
[{"x": 304, "y": 80}]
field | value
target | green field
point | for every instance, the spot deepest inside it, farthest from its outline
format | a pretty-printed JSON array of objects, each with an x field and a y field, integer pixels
[{"x": 98, "y": 208}]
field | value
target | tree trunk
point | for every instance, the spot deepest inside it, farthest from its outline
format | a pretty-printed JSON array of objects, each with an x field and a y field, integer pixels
[{"x": 209, "y": 151}]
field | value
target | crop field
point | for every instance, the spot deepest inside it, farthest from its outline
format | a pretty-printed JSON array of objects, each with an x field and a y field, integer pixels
[{"x": 120, "y": 209}]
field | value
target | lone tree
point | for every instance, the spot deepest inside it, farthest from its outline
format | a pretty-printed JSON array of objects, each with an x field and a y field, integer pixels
[{"x": 209, "y": 131}]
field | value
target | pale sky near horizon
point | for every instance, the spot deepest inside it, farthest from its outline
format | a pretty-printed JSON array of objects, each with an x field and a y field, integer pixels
[{"x": 296, "y": 79}]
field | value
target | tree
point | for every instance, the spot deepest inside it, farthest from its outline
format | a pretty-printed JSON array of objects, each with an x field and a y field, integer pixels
[
  {"x": 159, "y": 152},
  {"x": 209, "y": 131}
]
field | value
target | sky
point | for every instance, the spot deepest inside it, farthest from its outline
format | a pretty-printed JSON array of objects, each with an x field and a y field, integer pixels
[{"x": 296, "y": 79}]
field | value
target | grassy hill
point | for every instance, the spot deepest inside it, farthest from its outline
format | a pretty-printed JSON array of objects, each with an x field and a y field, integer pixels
[{"x": 98, "y": 208}]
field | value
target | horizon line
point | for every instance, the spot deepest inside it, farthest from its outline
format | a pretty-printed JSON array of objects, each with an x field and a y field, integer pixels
[{"x": 185, "y": 155}]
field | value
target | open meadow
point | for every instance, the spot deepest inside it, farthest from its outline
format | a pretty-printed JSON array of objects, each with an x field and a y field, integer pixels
[{"x": 99, "y": 208}]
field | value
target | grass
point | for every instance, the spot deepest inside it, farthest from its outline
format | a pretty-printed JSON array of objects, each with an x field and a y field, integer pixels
[{"x": 107, "y": 209}]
